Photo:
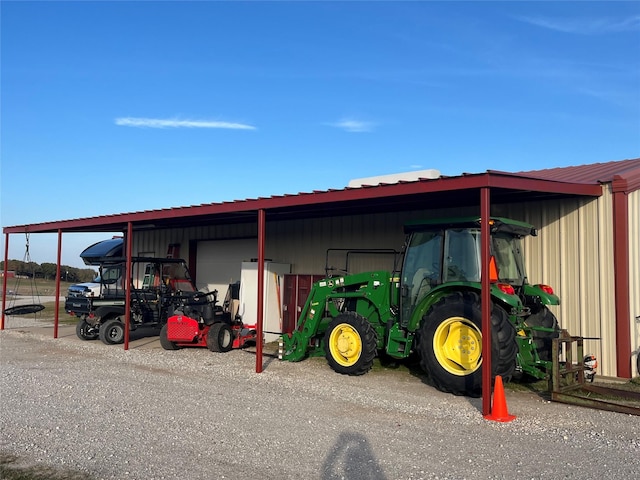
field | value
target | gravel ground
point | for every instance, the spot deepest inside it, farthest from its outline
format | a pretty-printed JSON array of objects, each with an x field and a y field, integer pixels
[{"x": 147, "y": 413}]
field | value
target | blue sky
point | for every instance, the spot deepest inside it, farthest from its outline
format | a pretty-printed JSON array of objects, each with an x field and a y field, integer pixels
[{"x": 110, "y": 107}]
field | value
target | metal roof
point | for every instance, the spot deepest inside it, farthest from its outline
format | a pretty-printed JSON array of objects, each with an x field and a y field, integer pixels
[
  {"x": 403, "y": 195},
  {"x": 624, "y": 175}
]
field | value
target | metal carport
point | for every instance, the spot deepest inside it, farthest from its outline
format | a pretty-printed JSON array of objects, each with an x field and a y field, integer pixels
[{"x": 481, "y": 190}]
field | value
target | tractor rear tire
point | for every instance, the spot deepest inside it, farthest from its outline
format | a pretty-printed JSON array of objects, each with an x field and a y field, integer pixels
[
  {"x": 165, "y": 343},
  {"x": 350, "y": 344},
  {"x": 450, "y": 344},
  {"x": 220, "y": 338},
  {"x": 543, "y": 341},
  {"x": 85, "y": 331},
  {"x": 112, "y": 332}
]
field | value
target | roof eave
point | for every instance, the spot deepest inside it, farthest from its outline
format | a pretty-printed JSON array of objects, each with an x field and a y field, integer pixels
[{"x": 249, "y": 207}]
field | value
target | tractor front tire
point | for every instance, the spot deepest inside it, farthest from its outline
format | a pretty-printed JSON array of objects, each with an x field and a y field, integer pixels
[
  {"x": 220, "y": 338},
  {"x": 543, "y": 341},
  {"x": 165, "y": 343},
  {"x": 112, "y": 332},
  {"x": 350, "y": 344},
  {"x": 85, "y": 331},
  {"x": 450, "y": 344}
]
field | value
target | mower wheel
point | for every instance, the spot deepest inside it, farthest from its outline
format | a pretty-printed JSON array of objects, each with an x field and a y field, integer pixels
[
  {"x": 350, "y": 344},
  {"x": 85, "y": 331},
  {"x": 220, "y": 338},
  {"x": 450, "y": 344},
  {"x": 112, "y": 332},
  {"x": 164, "y": 340}
]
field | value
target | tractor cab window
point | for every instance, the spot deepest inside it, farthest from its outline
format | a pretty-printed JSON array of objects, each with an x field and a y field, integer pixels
[
  {"x": 508, "y": 254},
  {"x": 421, "y": 270},
  {"x": 462, "y": 255}
]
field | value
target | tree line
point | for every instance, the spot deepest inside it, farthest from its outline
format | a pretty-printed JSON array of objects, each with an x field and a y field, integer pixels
[{"x": 47, "y": 271}]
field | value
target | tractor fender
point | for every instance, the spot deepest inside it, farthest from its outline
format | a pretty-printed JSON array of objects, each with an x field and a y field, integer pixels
[
  {"x": 546, "y": 298},
  {"x": 506, "y": 301},
  {"x": 432, "y": 297}
]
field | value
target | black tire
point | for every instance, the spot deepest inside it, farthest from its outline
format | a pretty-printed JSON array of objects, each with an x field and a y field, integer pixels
[
  {"x": 450, "y": 344},
  {"x": 543, "y": 341},
  {"x": 86, "y": 331},
  {"x": 220, "y": 338},
  {"x": 350, "y": 344},
  {"x": 164, "y": 341},
  {"x": 112, "y": 332}
]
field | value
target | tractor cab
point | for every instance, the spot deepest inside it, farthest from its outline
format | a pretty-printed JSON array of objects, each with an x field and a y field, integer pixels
[{"x": 449, "y": 253}]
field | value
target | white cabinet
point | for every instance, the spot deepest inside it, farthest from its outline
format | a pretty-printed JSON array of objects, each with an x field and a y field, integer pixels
[{"x": 273, "y": 280}]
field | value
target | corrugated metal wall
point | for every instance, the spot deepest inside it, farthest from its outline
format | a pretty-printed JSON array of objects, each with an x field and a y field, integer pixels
[
  {"x": 573, "y": 253},
  {"x": 304, "y": 243}
]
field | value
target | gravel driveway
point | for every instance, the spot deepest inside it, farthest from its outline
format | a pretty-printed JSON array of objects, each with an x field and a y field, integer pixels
[{"x": 149, "y": 414}]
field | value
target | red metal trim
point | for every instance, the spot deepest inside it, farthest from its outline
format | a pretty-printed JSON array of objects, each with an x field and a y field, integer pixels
[
  {"x": 485, "y": 209},
  {"x": 4, "y": 279},
  {"x": 261, "y": 240},
  {"x": 127, "y": 288},
  {"x": 621, "y": 279},
  {"x": 249, "y": 206},
  {"x": 58, "y": 261}
]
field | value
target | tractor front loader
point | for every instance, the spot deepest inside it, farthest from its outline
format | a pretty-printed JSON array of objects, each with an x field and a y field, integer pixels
[{"x": 430, "y": 307}]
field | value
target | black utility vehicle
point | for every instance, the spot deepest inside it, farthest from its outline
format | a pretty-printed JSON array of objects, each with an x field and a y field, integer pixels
[{"x": 157, "y": 286}]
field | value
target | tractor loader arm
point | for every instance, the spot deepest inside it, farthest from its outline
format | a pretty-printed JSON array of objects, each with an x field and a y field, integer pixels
[{"x": 328, "y": 298}]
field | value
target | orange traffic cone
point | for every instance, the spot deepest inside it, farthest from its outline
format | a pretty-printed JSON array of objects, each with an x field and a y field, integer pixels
[{"x": 499, "y": 412}]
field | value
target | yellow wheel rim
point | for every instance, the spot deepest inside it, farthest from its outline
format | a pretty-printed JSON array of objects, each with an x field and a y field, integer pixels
[
  {"x": 345, "y": 344},
  {"x": 457, "y": 345}
]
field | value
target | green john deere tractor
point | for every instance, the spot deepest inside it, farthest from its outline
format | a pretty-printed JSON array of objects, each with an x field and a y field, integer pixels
[{"x": 431, "y": 308}]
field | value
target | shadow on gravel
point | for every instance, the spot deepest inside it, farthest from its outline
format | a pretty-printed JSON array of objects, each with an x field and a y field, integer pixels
[
  {"x": 351, "y": 458},
  {"x": 411, "y": 365},
  {"x": 13, "y": 468}
]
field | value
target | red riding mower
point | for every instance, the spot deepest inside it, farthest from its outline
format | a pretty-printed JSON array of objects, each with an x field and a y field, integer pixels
[{"x": 198, "y": 321}]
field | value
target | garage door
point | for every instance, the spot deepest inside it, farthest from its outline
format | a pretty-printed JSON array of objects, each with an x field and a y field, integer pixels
[{"x": 219, "y": 262}]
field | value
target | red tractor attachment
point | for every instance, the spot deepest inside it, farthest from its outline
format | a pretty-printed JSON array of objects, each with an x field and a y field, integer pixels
[
  {"x": 200, "y": 322},
  {"x": 182, "y": 331}
]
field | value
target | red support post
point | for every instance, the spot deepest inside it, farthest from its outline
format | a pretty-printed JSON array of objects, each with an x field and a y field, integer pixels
[
  {"x": 485, "y": 238},
  {"x": 621, "y": 282},
  {"x": 260, "y": 299},
  {"x": 127, "y": 286},
  {"x": 58, "y": 261},
  {"x": 4, "y": 279}
]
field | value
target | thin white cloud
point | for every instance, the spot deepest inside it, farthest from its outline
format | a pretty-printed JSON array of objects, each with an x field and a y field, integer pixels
[
  {"x": 585, "y": 26},
  {"x": 175, "y": 123},
  {"x": 350, "y": 125}
]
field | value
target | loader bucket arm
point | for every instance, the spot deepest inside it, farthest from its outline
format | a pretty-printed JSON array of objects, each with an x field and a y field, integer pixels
[{"x": 327, "y": 298}]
